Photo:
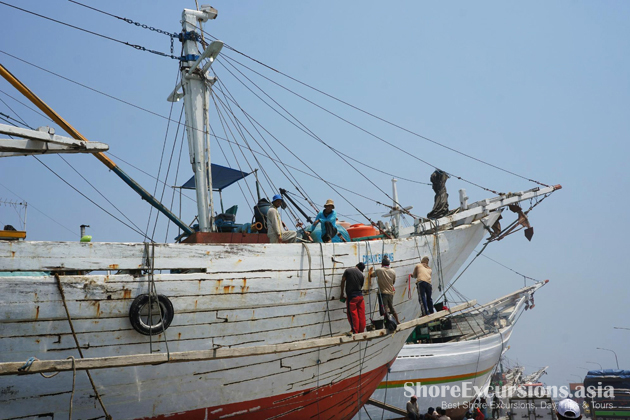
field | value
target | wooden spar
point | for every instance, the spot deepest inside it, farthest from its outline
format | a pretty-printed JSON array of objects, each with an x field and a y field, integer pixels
[
  {"x": 387, "y": 407},
  {"x": 485, "y": 207},
  {"x": 528, "y": 289},
  {"x": 24, "y": 90},
  {"x": 35, "y": 142},
  {"x": 11, "y": 368}
]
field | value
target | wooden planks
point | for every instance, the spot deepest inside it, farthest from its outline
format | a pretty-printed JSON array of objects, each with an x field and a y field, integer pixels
[{"x": 11, "y": 368}]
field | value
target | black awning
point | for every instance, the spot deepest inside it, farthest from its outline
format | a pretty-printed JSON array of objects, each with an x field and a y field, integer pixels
[{"x": 222, "y": 177}]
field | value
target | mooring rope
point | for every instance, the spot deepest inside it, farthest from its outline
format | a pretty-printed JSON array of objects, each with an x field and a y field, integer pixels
[{"x": 76, "y": 341}]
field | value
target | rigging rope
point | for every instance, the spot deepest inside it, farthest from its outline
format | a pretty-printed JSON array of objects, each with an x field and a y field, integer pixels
[
  {"x": 76, "y": 341},
  {"x": 100, "y": 193},
  {"x": 369, "y": 113},
  {"x": 153, "y": 297},
  {"x": 179, "y": 160},
  {"x": 292, "y": 178},
  {"x": 168, "y": 126},
  {"x": 321, "y": 248},
  {"x": 224, "y": 125},
  {"x": 16, "y": 114},
  {"x": 305, "y": 130},
  {"x": 369, "y": 132},
  {"x": 30, "y": 204},
  {"x": 92, "y": 201}
]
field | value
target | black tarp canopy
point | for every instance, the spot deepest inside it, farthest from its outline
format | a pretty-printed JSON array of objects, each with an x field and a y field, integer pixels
[{"x": 222, "y": 177}]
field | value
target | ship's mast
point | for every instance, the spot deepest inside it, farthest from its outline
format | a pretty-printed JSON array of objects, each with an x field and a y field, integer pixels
[
  {"x": 395, "y": 208},
  {"x": 195, "y": 86}
]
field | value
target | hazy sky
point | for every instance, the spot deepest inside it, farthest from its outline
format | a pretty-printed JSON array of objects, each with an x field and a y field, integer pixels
[{"x": 539, "y": 88}]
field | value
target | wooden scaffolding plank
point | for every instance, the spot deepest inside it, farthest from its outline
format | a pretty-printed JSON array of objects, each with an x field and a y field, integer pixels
[{"x": 11, "y": 368}]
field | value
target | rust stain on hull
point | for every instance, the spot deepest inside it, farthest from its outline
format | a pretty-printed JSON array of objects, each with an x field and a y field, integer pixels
[{"x": 37, "y": 312}]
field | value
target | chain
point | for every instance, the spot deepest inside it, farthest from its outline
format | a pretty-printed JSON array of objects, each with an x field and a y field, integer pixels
[
  {"x": 141, "y": 48},
  {"x": 151, "y": 28}
]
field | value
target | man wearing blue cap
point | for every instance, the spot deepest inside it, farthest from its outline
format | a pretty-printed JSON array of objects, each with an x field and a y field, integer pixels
[{"x": 275, "y": 227}]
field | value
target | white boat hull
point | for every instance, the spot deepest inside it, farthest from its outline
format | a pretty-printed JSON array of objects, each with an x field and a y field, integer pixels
[
  {"x": 247, "y": 294},
  {"x": 453, "y": 364}
]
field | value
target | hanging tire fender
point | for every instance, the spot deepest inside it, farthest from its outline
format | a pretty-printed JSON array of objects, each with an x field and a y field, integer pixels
[{"x": 139, "y": 309}]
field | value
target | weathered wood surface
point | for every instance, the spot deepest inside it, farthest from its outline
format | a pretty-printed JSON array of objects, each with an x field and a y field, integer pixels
[
  {"x": 217, "y": 353},
  {"x": 150, "y": 390},
  {"x": 262, "y": 300},
  {"x": 220, "y": 258}
]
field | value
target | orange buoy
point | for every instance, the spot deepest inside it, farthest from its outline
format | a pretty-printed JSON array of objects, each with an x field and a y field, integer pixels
[{"x": 360, "y": 230}]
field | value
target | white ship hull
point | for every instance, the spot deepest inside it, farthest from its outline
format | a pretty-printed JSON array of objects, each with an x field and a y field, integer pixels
[
  {"x": 242, "y": 295},
  {"x": 463, "y": 364}
]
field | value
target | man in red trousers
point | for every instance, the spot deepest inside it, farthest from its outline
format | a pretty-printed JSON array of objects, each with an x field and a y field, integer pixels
[{"x": 352, "y": 285}]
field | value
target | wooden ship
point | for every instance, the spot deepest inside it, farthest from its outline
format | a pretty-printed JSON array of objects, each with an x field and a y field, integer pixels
[{"x": 218, "y": 325}]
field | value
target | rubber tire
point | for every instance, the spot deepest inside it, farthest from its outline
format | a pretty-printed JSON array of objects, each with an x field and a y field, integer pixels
[{"x": 140, "y": 326}]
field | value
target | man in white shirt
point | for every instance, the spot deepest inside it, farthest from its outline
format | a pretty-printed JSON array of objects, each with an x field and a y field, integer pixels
[{"x": 275, "y": 227}]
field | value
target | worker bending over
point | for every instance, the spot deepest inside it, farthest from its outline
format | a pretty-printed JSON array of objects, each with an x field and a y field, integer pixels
[{"x": 328, "y": 217}]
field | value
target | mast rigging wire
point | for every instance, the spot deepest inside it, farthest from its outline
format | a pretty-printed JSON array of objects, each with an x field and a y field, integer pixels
[
  {"x": 16, "y": 114},
  {"x": 291, "y": 78},
  {"x": 364, "y": 130},
  {"x": 157, "y": 114},
  {"x": 226, "y": 159},
  {"x": 224, "y": 124},
  {"x": 292, "y": 178},
  {"x": 135, "y": 46},
  {"x": 307, "y": 131},
  {"x": 100, "y": 193},
  {"x": 92, "y": 201},
  {"x": 168, "y": 169},
  {"x": 238, "y": 126},
  {"x": 30, "y": 204},
  {"x": 373, "y": 115},
  {"x": 168, "y": 125}
]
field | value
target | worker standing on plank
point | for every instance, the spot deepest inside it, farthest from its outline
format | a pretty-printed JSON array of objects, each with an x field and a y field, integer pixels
[
  {"x": 386, "y": 277},
  {"x": 352, "y": 285},
  {"x": 422, "y": 274}
]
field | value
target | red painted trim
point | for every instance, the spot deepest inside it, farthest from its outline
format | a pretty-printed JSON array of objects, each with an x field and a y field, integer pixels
[
  {"x": 334, "y": 401},
  {"x": 226, "y": 238}
]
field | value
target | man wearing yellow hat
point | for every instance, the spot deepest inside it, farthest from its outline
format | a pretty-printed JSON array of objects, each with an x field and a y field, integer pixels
[{"x": 328, "y": 217}]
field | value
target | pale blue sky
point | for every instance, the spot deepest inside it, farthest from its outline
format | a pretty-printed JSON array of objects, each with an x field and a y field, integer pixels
[{"x": 539, "y": 88}]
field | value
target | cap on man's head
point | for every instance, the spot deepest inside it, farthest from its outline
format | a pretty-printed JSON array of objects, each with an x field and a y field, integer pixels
[
  {"x": 277, "y": 197},
  {"x": 361, "y": 266},
  {"x": 413, "y": 397},
  {"x": 569, "y": 409},
  {"x": 329, "y": 202},
  {"x": 425, "y": 260},
  {"x": 385, "y": 260}
]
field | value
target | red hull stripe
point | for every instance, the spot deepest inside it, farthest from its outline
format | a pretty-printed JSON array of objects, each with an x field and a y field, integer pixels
[{"x": 337, "y": 401}]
